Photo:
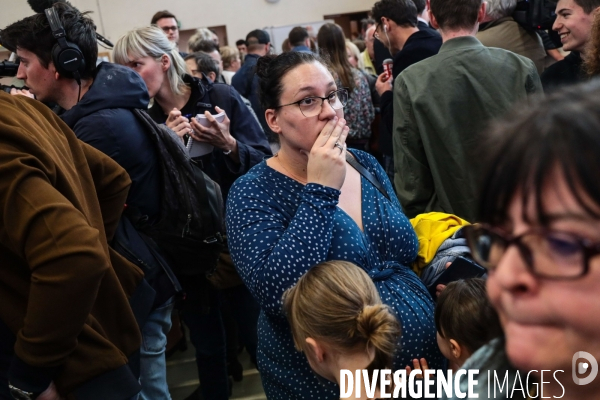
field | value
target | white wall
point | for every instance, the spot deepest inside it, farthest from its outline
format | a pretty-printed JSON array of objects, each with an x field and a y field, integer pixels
[{"x": 115, "y": 17}]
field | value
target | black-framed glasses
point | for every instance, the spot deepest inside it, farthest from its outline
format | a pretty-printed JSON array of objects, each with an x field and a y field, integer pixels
[
  {"x": 311, "y": 106},
  {"x": 547, "y": 253}
]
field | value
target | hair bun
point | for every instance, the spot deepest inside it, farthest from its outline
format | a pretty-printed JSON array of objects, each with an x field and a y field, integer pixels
[
  {"x": 263, "y": 66},
  {"x": 375, "y": 324}
]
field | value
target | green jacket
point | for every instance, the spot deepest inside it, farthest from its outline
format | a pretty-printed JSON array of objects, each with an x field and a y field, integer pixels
[{"x": 442, "y": 106}]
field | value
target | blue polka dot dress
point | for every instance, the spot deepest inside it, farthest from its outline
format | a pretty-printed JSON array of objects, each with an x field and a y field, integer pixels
[{"x": 278, "y": 228}]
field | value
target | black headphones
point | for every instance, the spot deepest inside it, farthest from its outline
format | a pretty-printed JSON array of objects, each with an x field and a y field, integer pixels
[{"x": 66, "y": 56}]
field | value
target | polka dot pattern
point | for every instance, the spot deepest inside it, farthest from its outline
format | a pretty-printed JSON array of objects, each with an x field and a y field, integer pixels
[{"x": 278, "y": 228}]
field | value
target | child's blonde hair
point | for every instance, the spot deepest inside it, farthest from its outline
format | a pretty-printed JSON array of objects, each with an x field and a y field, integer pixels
[{"x": 337, "y": 302}]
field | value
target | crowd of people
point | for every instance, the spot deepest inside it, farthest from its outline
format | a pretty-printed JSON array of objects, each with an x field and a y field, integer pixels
[{"x": 352, "y": 173}]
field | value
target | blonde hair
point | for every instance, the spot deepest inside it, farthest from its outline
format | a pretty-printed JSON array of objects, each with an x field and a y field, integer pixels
[
  {"x": 354, "y": 51},
  {"x": 152, "y": 42},
  {"x": 337, "y": 302},
  {"x": 200, "y": 35},
  {"x": 229, "y": 55}
]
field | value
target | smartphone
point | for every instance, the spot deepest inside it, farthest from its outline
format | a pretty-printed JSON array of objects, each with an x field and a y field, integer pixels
[{"x": 461, "y": 268}]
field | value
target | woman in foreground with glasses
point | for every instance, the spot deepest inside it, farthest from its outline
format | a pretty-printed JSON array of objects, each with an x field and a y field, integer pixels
[
  {"x": 541, "y": 243},
  {"x": 307, "y": 205}
]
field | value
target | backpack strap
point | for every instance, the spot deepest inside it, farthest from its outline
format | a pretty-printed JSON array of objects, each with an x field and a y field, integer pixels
[{"x": 350, "y": 159}]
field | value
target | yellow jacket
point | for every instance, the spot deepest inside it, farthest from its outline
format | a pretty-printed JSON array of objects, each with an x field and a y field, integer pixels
[{"x": 432, "y": 230}]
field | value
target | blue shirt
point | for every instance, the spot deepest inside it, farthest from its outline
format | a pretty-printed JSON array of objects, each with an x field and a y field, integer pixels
[{"x": 278, "y": 229}]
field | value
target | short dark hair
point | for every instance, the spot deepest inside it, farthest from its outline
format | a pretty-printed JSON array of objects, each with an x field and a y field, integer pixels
[
  {"x": 206, "y": 46},
  {"x": 588, "y": 5},
  {"x": 240, "y": 42},
  {"x": 402, "y": 12},
  {"x": 455, "y": 14},
  {"x": 34, "y": 34},
  {"x": 464, "y": 313},
  {"x": 271, "y": 69},
  {"x": 562, "y": 136},
  {"x": 297, "y": 36},
  {"x": 204, "y": 63},
  {"x": 420, "y": 4},
  {"x": 161, "y": 15}
]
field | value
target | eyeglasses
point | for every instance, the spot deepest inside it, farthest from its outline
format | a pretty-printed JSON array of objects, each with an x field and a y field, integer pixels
[
  {"x": 166, "y": 29},
  {"x": 547, "y": 253},
  {"x": 311, "y": 106}
]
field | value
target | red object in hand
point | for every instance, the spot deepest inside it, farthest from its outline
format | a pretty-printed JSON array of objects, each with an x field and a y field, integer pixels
[{"x": 388, "y": 65}]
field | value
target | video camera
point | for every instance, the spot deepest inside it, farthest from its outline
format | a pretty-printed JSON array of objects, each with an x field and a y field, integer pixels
[
  {"x": 536, "y": 14},
  {"x": 7, "y": 69}
]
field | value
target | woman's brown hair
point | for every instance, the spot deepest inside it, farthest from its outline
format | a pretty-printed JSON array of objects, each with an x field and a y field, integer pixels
[
  {"x": 332, "y": 44},
  {"x": 337, "y": 302}
]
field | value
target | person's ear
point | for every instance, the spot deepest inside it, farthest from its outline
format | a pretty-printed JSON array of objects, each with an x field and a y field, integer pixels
[
  {"x": 455, "y": 348},
  {"x": 165, "y": 62},
  {"x": 432, "y": 19},
  {"x": 317, "y": 350},
  {"x": 212, "y": 76},
  {"x": 271, "y": 118},
  {"x": 481, "y": 13}
]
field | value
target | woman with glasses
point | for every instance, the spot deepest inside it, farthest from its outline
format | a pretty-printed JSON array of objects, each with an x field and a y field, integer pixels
[
  {"x": 306, "y": 205},
  {"x": 541, "y": 243}
]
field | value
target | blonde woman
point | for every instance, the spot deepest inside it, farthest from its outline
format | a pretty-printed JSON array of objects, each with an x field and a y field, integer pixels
[
  {"x": 354, "y": 57},
  {"x": 231, "y": 62},
  {"x": 237, "y": 143}
]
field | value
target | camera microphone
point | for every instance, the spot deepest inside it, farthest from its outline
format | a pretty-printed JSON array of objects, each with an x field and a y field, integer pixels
[{"x": 40, "y": 5}]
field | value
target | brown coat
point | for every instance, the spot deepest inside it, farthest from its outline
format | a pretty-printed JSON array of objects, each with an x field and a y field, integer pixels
[
  {"x": 505, "y": 33},
  {"x": 63, "y": 292}
]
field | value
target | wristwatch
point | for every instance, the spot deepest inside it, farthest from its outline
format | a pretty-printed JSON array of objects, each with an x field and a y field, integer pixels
[{"x": 20, "y": 394}]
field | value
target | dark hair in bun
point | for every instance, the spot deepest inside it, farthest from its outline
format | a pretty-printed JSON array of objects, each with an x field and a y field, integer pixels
[{"x": 272, "y": 68}]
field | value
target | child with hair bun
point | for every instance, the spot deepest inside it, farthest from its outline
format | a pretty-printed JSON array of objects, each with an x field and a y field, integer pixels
[{"x": 338, "y": 320}]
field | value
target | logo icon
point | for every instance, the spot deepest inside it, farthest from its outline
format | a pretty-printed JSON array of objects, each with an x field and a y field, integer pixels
[{"x": 583, "y": 367}]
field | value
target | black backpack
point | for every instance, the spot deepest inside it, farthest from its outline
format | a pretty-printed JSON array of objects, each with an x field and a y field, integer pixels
[{"x": 190, "y": 229}]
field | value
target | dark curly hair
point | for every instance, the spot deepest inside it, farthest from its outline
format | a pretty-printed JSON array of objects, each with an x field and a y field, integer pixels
[{"x": 271, "y": 69}]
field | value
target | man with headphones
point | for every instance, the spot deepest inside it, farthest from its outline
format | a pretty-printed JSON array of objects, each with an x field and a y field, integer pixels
[{"x": 58, "y": 53}]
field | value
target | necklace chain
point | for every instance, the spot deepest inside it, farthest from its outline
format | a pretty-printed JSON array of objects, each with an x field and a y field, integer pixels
[{"x": 302, "y": 181}]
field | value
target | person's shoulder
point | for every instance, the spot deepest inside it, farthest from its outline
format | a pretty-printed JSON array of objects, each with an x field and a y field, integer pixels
[
  {"x": 421, "y": 44},
  {"x": 563, "y": 65},
  {"x": 506, "y": 57},
  {"x": 365, "y": 158},
  {"x": 257, "y": 174}
]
